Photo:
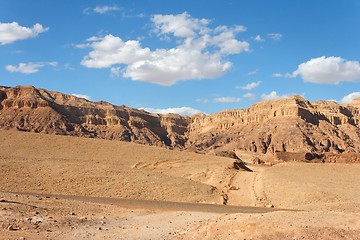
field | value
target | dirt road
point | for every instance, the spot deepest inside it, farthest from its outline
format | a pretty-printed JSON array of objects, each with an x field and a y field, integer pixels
[{"x": 158, "y": 205}]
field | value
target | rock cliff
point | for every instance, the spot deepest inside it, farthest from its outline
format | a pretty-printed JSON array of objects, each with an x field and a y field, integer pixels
[
  {"x": 286, "y": 125},
  {"x": 292, "y": 125},
  {"x": 39, "y": 110}
]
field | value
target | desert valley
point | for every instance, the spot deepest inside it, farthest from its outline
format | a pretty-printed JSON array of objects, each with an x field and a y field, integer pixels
[{"x": 75, "y": 169}]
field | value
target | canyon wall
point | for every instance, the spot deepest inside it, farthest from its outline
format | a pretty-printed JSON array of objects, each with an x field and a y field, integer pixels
[{"x": 292, "y": 125}]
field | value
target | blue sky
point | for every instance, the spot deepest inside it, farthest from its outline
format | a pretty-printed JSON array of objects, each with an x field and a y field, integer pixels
[{"x": 183, "y": 56}]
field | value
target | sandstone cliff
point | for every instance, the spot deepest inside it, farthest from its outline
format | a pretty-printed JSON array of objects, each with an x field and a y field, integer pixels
[
  {"x": 39, "y": 110},
  {"x": 285, "y": 125},
  {"x": 292, "y": 125}
]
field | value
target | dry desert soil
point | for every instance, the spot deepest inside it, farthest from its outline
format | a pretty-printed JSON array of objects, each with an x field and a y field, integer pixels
[{"x": 62, "y": 187}]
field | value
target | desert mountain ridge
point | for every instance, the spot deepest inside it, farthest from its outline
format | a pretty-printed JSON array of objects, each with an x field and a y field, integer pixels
[{"x": 284, "y": 128}]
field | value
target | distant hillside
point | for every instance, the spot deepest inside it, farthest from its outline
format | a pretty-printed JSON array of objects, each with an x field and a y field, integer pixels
[{"x": 272, "y": 128}]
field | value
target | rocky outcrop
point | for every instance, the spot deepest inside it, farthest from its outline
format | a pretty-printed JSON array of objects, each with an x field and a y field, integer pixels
[
  {"x": 285, "y": 125},
  {"x": 284, "y": 128},
  {"x": 39, "y": 110}
]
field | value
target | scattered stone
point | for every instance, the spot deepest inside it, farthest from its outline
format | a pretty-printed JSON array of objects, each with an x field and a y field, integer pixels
[
  {"x": 228, "y": 154},
  {"x": 12, "y": 228},
  {"x": 239, "y": 164}
]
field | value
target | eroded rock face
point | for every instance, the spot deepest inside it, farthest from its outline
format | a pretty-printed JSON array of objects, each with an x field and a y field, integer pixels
[
  {"x": 39, "y": 110},
  {"x": 285, "y": 125},
  {"x": 292, "y": 125}
]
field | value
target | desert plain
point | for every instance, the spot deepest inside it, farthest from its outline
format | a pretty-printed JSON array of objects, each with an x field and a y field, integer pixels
[
  {"x": 63, "y": 187},
  {"x": 75, "y": 169}
]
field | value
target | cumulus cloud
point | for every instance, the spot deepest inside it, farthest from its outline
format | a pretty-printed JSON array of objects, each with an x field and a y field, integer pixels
[
  {"x": 181, "y": 25},
  {"x": 199, "y": 53},
  {"x": 87, "y": 97},
  {"x": 350, "y": 97},
  {"x": 11, "y": 32},
  {"x": 328, "y": 70},
  {"x": 275, "y": 36},
  {"x": 273, "y": 95},
  {"x": 227, "y": 42},
  {"x": 227, "y": 99},
  {"x": 29, "y": 68},
  {"x": 250, "y": 86},
  {"x": 184, "y": 111}
]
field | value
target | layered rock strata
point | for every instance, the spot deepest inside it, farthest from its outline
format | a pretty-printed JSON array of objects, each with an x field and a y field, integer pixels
[{"x": 292, "y": 125}]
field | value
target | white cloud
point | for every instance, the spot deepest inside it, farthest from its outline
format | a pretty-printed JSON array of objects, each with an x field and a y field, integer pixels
[
  {"x": 68, "y": 66},
  {"x": 250, "y": 96},
  {"x": 227, "y": 42},
  {"x": 101, "y": 9},
  {"x": 29, "y": 68},
  {"x": 115, "y": 72},
  {"x": 273, "y": 95},
  {"x": 253, "y": 72},
  {"x": 87, "y": 97},
  {"x": 227, "y": 99},
  {"x": 198, "y": 54},
  {"x": 181, "y": 25},
  {"x": 11, "y": 32},
  {"x": 250, "y": 86},
  {"x": 328, "y": 70},
  {"x": 184, "y": 111},
  {"x": 259, "y": 39},
  {"x": 278, "y": 75},
  {"x": 350, "y": 97},
  {"x": 53, "y": 64},
  {"x": 275, "y": 36},
  {"x": 202, "y": 100},
  {"x": 106, "y": 9},
  {"x": 111, "y": 50}
]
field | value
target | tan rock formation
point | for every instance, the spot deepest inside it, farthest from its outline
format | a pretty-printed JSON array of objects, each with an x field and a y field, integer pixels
[
  {"x": 39, "y": 110},
  {"x": 292, "y": 125},
  {"x": 286, "y": 125}
]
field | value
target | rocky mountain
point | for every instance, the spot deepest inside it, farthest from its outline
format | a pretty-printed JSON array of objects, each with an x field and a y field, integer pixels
[{"x": 281, "y": 128}]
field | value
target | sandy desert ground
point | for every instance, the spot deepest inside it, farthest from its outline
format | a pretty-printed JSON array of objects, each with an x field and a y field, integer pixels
[{"x": 60, "y": 187}]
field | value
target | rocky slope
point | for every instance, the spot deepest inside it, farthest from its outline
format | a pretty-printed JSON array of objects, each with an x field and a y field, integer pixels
[
  {"x": 285, "y": 125},
  {"x": 282, "y": 128},
  {"x": 39, "y": 110}
]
